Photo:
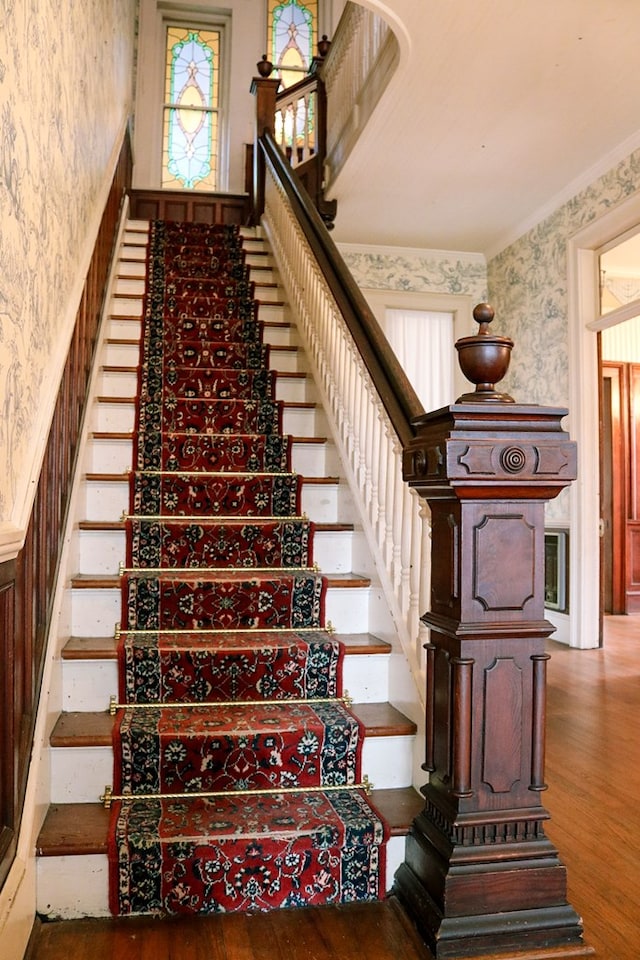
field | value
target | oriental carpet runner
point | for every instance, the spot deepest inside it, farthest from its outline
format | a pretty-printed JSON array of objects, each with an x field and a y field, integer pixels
[{"x": 237, "y": 761}]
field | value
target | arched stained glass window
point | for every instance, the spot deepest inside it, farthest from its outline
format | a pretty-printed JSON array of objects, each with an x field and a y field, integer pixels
[
  {"x": 192, "y": 95},
  {"x": 292, "y": 37}
]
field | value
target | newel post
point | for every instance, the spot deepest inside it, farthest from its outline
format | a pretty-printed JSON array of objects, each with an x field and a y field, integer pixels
[
  {"x": 480, "y": 876},
  {"x": 265, "y": 90}
]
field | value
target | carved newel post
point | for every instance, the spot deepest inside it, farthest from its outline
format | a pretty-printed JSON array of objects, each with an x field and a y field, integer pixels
[{"x": 480, "y": 876}]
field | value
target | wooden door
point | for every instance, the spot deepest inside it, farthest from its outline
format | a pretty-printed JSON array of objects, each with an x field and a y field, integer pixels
[{"x": 614, "y": 471}]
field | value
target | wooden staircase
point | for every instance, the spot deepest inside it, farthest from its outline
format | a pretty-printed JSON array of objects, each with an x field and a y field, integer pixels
[{"x": 72, "y": 846}]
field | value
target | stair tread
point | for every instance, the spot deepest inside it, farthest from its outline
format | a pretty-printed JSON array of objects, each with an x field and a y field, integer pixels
[
  {"x": 106, "y": 648},
  {"x": 124, "y": 477},
  {"x": 128, "y": 435},
  {"x": 287, "y": 404},
  {"x": 119, "y": 524},
  {"x": 108, "y": 581},
  {"x": 118, "y": 400},
  {"x": 77, "y": 829},
  {"x": 94, "y": 728}
]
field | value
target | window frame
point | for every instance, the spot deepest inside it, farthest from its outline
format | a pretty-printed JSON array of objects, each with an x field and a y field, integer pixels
[{"x": 196, "y": 19}]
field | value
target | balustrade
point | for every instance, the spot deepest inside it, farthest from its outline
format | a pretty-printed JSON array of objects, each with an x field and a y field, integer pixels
[{"x": 395, "y": 521}]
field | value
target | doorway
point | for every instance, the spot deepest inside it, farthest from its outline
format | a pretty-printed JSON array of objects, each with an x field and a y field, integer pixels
[
  {"x": 620, "y": 468},
  {"x": 585, "y": 321}
]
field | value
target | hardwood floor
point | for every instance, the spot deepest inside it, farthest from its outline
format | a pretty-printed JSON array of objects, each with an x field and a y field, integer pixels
[
  {"x": 593, "y": 772},
  {"x": 593, "y": 768}
]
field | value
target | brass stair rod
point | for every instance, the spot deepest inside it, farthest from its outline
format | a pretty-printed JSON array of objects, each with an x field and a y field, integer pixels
[{"x": 109, "y": 796}]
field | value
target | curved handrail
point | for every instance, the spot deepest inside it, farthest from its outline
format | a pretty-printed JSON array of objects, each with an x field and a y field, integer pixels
[{"x": 396, "y": 393}]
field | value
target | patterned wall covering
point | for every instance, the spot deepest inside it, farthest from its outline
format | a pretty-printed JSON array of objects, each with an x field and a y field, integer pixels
[
  {"x": 62, "y": 66},
  {"x": 427, "y": 271},
  {"x": 528, "y": 288}
]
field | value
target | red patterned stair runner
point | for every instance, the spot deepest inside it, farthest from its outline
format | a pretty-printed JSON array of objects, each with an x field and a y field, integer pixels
[{"x": 237, "y": 765}]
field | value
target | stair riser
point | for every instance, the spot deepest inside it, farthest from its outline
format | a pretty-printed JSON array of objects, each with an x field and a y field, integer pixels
[
  {"x": 130, "y": 286},
  {"x": 128, "y": 355},
  {"x": 120, "y": 418},
  {"x": 127, "y": 329},
  {"x": 73, "y": 887},
  {"x": 94, "y": 612},
  {"x": 275, "y": 312},
  {"x": 125, "y": 384},
  {"x": 80, "y": 774},
  {"x": 123, "y": 306},
  {"x": 129, "y": 271},
  {"x": 285, "y": 336},
  {"x": 132, "y": 250},
  {"x": 321, "y": 502},
  {"x": 111, "y": 455},
  {"x": 266, "y": 293},
  {"x": 277, "y": 336},
  {"x": 105, "y": 501},
  {"x": 102, "y": 551},
  {"x": 88, "y": 684},
  {"x": 261, "y": 273},
  {"x": 121, "y": 354}
]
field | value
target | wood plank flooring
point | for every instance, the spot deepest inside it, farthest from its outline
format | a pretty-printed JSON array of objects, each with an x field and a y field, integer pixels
[
  {"x": 593, "y": 772},
  {"x": 593, "y": 768}
]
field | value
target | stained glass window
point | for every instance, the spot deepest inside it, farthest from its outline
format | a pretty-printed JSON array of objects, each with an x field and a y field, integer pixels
[
  {"x": 191, "y": 104},
  {"x": 292, "y": 37}
]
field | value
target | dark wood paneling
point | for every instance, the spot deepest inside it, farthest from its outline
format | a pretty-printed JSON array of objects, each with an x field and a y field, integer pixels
[
  {"x": 227, "y": 208},
  {"x": 27, "y": 584},
  {"x": 10, "y": 679}
]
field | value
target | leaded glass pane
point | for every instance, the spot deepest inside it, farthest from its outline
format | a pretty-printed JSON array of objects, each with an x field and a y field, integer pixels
[
  {"x": 190, "y": 126},
  {"x": 292, "y": 36}
]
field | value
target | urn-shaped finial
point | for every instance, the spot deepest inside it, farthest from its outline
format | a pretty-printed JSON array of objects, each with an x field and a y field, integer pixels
[
  {"x": 264, "y": 66},
  {"x": 324, "y": 46},
  {"x": 484, "y": 359}
]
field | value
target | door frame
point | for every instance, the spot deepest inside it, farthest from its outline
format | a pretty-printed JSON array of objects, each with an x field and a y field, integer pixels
[{"x": 584, "y": 322}]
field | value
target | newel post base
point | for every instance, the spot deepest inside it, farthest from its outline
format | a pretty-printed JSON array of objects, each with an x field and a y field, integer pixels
[{"x": 480, "y": 876}]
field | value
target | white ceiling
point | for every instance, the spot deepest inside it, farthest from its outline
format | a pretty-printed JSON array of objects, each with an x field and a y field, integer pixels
[{"x": 500, "y": 110}]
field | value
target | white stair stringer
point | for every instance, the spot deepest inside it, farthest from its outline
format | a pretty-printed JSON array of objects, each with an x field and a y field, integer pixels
[{"x": 76, "y": 886}]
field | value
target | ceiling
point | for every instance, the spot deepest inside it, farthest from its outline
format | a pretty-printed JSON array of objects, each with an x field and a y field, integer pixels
[{"x": 499, "y": 112}]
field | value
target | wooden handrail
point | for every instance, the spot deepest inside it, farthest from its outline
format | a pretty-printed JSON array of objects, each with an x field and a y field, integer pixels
[
  {"x": 298, "y": 89},
  {"x": 396, "y": 393}
]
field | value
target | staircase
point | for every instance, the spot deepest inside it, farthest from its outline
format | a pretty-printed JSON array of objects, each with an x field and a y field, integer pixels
[{"x": 72, "y": 847}]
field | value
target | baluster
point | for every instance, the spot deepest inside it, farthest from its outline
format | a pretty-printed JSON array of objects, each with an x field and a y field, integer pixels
[
  {"x": 383, "y": 442},
  {"x": 415, "y": 571},
  {"x": 398, "y": 531},
  {"x": 375, "y": 428},
  {"x": 404, "y": 551},
  {"x": 392, "y": 480},
  {"x": 356, "y": 410},
  {"x": 367, "y": 450}
]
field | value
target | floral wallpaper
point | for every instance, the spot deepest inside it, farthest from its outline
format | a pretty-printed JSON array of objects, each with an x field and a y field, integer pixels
[
  {"x": 528, "y": 288},
  {"x": 429, "y": 271},
  {"x": 65, "y": 94}
]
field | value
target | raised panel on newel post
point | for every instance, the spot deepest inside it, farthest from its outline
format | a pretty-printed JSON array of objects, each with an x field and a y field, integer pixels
[{"x": 480, "y": 876}]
